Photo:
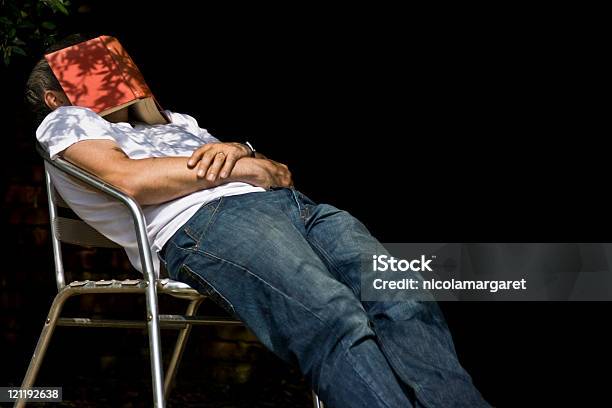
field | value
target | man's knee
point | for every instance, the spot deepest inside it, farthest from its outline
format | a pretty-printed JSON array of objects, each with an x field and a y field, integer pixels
[{"x": 345, "y": 325}]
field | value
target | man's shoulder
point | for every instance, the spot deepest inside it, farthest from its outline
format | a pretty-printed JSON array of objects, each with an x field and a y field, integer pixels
[
  {"x": 67, "y": 125},
  {"x": 65, "y": 116},
  {"x": 72, "y": 111}
]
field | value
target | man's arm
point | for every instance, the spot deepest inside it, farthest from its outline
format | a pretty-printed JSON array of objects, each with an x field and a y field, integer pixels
[
  {"x": 216, "y": 160},
  {"x": 161, "y": 179}
]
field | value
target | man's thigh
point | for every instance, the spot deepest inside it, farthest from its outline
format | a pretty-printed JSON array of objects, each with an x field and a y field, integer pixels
[
  {"x": 250, "y": 255},
  {"x": 340, "y": 240}
]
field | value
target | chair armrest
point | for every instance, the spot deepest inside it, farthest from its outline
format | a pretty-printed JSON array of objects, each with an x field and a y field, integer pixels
[
  {"x": 108, "y": 189},
  {"x": 86, "y": 177}
]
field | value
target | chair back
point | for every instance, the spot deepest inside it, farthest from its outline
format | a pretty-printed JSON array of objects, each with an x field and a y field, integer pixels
[{"x": 67, "y": 227}]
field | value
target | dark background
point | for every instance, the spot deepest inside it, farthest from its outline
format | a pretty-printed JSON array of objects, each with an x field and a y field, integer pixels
[{"x": 444, "y": 125}]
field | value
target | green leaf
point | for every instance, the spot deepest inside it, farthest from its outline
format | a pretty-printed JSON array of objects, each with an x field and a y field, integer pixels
[
  {"x": 19, "y": 50},
  {"x": 56, "y": 5},
  {"x": 7, "y": 57},
  {"x": 26, "y": 25},
  {"x": 60, "y": 6}
]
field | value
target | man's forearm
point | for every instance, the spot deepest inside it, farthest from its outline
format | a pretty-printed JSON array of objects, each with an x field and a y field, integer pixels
[
  {"x": 156, "y": 180},
  {"x": 160, "y": 179}
]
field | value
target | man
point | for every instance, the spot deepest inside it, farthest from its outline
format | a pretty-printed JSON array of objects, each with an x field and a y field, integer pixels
[{"x": 228, "y": 222}]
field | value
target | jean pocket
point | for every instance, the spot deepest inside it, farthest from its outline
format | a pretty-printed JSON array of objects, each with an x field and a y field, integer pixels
[
  {"x": 198, "y": 282},
  {"x": 195, "y": 229}
]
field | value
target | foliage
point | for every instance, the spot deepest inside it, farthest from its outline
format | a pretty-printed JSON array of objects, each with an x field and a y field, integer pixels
[{"x": 28, "y": 24}]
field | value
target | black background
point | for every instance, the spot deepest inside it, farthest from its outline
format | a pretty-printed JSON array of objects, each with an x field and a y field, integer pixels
[{"x": 444, "y": 125}]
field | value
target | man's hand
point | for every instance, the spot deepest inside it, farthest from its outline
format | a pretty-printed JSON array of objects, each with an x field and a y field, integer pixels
[
  {"x": 217, "y": 159},
  {"x": 268, "y": 173}
]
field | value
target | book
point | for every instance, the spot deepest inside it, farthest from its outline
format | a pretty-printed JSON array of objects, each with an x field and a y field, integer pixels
[{"x": 99, "y": 74}]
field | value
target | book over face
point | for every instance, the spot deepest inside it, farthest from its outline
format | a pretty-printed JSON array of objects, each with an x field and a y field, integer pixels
[{"x": 100, "y": 75}]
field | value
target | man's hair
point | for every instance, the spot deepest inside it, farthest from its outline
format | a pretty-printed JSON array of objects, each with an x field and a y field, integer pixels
[{"x": 42, "y": 79}]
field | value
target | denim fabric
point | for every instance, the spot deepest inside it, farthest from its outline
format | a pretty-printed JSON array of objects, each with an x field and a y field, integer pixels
[{"x": 289, "y": 269}]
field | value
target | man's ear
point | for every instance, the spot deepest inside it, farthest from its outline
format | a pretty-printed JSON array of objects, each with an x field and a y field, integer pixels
[{"x": 55, "y": 99}]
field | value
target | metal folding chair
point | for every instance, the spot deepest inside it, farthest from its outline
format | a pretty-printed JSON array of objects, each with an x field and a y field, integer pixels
[{"x": 70, "y": 229}]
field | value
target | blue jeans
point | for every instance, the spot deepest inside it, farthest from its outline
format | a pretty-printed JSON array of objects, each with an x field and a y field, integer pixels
[{"x": 289, "y": 269}]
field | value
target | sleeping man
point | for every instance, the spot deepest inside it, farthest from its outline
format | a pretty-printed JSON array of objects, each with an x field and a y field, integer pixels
[{"x": 228, "y": 222}]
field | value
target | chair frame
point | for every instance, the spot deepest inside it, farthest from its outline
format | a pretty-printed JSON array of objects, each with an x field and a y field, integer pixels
[{"x": 150, "y": 286}]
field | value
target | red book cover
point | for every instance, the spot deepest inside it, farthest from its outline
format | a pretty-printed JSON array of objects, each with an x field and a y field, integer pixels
[{"x": 99, "y": 74}]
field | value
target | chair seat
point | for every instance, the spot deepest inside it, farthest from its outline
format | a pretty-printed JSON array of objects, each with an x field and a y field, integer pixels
[
  {"x": 177, "y": 289},
  {"x": 167, "y": 286}
]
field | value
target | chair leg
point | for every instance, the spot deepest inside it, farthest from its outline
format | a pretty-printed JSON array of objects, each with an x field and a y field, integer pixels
[
  {"x": 316, "y": 402},
  {"x": 43, "y": 342},
  {"x": 157, "y": 372},
  {"x": 181, "y": 342}
]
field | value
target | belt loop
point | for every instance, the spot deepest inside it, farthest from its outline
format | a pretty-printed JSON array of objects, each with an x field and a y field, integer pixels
[
  {"x": 296, "y": 199},
  {"x": 302, "y": 210}
]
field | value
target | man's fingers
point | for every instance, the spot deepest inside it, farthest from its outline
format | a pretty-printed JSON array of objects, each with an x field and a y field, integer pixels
[
  {"x": 196, "y": 156},
  {"x": 215, "y": 159},
  {"x": 285, "y": 176},
  {"x": 205, "y": 162},
  {"x": 213, "y": 170},
  {"x": 228, "y": 166}
]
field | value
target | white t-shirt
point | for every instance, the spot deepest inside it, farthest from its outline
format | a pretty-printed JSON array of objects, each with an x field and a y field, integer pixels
[{"x": 70, "y": 124}]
